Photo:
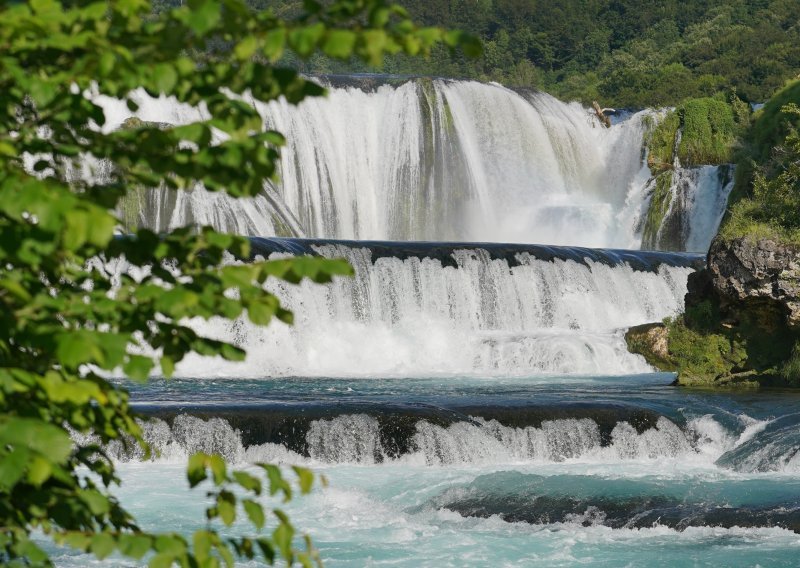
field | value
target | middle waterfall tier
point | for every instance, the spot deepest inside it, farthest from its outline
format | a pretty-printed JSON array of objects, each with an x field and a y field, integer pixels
[{"x": 431, "y": 309}]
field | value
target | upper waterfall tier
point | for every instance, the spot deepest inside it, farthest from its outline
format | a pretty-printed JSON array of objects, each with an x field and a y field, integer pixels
[{"x": 427, "y": 160}]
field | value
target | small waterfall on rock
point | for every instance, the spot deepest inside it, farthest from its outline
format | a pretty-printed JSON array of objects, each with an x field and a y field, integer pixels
[
  {"x": 686, "y": 207},
  {"x": 435, "y": 160}
]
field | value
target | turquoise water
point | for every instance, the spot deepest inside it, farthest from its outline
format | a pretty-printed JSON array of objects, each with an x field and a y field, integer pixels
[{"x": 714, "y": 482}]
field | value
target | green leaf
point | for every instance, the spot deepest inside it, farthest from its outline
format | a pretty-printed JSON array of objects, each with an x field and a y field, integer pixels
[
  {"x": 164, "y": 78},
  {"x": 12, "y": 466},
  {"x": 102, "y": 545},
  {"x": 218, "y": 468},
  {"x": 75, "y": 540},
  {"x": 100, "y": 229},
  {"x": 135, "y": 545},
  {"x": 205, "y": 15},
  {"x": 276, "y": 481},
  {"x": 339, "y": 43},
  {"x": 305, "y": 477},
  {"x": 196, "y": 469},
  {"x": 255, "y": 513},
  {"x": 261, "y": 312},
  {"x": 138, "y": 367},
  {"x": 245, "y": 48},
  {"x": 304, "y": 40},
  {"x": 37, "y": 435},
  {"x": 167, "y": 366},
  {"x": 373, "y": 46},
  {"x": 98, "y": 503},
  {"x": 247, "y": 481},
  {"x": 171, "y": 544},
  {"x": 274, "y": 42},
  {"x": 39, "y": 471},
  {"x": 266, "y": 549},
  {"x": 282, "y": 536},
  {"x": 202, "y": 544},
  {"x": 226, "y": 506},
  {"x": 76, "y": 348}
]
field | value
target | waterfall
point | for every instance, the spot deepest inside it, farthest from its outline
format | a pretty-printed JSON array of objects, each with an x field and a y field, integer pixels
[
  {"x": 465, "y": 311},
  {"x": 693, "y": 201},
  {"x": 359, "y": 438},
  {"x": 430, "y": 160}
]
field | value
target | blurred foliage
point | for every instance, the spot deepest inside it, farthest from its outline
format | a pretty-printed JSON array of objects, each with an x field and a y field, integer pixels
[
  {"x": 71, "y": 314},
  {"x": 625, "y": 53}
]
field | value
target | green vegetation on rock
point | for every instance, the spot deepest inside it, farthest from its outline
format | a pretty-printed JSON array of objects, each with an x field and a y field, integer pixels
[
  {"x": 706, "y": 352},
  {"x": 790, "y": 370},
  {"x": 742, "y": 320},
  {"x": 660, "y": 141},
  {"x": 708, "y": 132},
  {"x": 697, "y": 132},
  {"x": 657, "y": 211},
  {"x": 765, "y": 203}
]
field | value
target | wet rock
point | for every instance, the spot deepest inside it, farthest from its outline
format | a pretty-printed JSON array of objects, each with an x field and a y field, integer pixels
[
  {"x": 741, "y": 326},
  {"x": 651, "y": 340},
  {"x": 764, "y": 274}
]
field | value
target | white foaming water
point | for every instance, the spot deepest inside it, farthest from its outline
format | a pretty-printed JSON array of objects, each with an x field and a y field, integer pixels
[
  {"x": 698, "y": 197},
  {"x": 414, "y": 317},
  {"x": 350, "y": 438},
  {"x": 356, "y": 439},
  {"x": 429, "y": 160}
]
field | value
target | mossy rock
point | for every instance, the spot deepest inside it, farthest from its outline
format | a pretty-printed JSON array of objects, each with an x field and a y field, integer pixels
[
  {"x": 135, "y": 122},
  {"x": 708, "y": 132},
  {"x": 657, "y": 211},
  {"x": 660, "y": 141},
  {"x": 754, "y": 212},
  {"x": 698, "y": 132},
  {"x": 707, "y": 353},
  {"x": 651, "y": 341}
]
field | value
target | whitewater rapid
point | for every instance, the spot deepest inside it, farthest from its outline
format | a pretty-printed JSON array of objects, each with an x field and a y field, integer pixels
[{"x": 463, "y": 313}]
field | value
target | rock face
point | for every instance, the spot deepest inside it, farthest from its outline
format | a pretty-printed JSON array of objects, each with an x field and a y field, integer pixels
[
  {"x": 743, "y": 271},
  {"x": 651, "y": 340},
  {"x": 742, "y": 320}
]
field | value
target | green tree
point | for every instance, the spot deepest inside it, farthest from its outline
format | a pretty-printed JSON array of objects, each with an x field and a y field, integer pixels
[{"x": 66, "y": 321}]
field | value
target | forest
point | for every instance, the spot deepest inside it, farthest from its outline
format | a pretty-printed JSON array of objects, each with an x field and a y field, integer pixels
[{"x": 623, "y": 52}]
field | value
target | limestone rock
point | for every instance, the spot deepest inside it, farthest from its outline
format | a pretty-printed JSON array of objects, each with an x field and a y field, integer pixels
[
  {"x": 746, "y": 271},
  {"x": 651, "y": 340}
]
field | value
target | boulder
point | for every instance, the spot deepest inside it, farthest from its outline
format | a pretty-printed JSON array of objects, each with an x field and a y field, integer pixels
[{"x": 744, "y": 271}]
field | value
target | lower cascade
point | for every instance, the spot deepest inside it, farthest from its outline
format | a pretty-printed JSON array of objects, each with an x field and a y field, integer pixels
[
  {"x": 458, "y": 309},
  {"x": 388, "y": 434}
]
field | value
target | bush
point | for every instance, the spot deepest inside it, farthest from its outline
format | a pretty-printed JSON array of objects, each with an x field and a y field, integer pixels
[
  {"x": 708, "y": 132},
  {"x": 765, "y": 202}
]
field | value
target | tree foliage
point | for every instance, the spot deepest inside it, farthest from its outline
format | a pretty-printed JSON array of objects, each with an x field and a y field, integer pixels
[
  {"x": 69, "y": 316},
  {"x": 765, "y": 202}
]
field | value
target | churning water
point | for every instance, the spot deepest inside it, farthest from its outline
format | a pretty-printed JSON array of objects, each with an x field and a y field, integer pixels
[{"x": 551, "y": 471}]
